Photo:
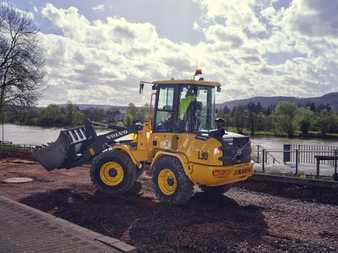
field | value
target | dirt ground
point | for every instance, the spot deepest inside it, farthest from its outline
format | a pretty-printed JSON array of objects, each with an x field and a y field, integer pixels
[{"x": 243, "y": 220}]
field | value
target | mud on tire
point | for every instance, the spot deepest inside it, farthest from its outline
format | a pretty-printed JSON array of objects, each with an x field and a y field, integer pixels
[
  {"x": 184, "y": 189},
  {"x": 129, "y": 170}
]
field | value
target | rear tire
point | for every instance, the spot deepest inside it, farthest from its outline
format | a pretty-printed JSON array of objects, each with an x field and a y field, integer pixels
[
  {"x": 216, "y": 190},
  {"x": 169, "y": 182},
  {"x": 113, "y": 172}
]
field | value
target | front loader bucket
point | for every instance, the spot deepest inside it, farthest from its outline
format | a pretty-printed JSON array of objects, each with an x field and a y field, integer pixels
[
  {"x": 77, "y": 146},
  {"x": 63, "y": 152}
]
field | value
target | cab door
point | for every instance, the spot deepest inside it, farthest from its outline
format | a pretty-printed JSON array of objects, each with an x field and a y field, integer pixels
[{"x": 165, "y": 118}]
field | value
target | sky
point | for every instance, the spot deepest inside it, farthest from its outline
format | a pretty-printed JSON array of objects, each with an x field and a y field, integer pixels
[{"x": 97, "y": 51}]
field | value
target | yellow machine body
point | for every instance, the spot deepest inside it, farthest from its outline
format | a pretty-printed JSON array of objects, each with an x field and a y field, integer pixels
[
  {"x": 199, "y": 158},
  {"x": 181, "y": 143}
]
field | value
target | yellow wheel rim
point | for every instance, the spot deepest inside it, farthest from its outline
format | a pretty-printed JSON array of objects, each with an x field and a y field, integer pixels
[
  {"x": 111, "y": 173},
  {"x": 167, "y": 182}
]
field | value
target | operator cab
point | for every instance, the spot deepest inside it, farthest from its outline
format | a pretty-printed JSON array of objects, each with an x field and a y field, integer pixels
[{"x": 184, "y": 106}]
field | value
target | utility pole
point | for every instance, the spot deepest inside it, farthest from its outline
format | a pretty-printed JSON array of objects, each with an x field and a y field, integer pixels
[
  {"x": 3, "y": 129},
  {"x": 2, "y": 115}
]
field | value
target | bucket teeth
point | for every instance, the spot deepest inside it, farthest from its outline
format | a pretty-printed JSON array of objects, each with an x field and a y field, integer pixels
[{"x": 61, "y": 153}]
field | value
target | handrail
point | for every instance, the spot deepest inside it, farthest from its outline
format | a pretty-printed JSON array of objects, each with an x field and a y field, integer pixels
[{"x": 274, "y": 158}]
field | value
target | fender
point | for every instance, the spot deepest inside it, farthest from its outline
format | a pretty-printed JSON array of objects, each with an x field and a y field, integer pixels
[
  {"x": 126, "y": 149},
  {"x": 181, "y": 157}
]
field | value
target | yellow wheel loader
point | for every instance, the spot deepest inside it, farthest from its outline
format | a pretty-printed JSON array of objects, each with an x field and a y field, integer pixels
[{"x": 182, "y": 144}]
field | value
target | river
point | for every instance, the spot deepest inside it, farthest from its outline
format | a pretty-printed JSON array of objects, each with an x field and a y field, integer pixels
[
  {"x": 276, "y": 143},
  {"x": 30, "y": 135},
  {"x": 38, "y": 135}
]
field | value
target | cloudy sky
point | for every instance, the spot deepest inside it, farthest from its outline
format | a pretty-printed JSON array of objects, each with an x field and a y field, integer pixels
[{"x": 97, "y": 50}]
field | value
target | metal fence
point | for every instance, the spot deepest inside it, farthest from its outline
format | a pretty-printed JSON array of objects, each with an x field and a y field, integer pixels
[
  {"x": 306, "y": 153},
  {"x": 265, "y": 156},
  {"x": 296, "y": 156},
  {"x": 15, "y": 151}
]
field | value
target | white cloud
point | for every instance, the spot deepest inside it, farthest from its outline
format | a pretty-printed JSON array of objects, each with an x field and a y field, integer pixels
[
  {"x": 102, "y": 60},
  {"x": 233, "y": 13},
  {"x": 99, "y": 7},
  {"x": 287, "y": 52},
  {"x": 220, "y": 34},
  {"x": 252, "y": 47},
  {"x": 314, "y": 17}
]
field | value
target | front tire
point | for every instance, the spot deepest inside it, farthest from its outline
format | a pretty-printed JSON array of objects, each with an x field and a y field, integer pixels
[
  {"x": 169, "y": 182},
  {"x": 113, "y": 172}
]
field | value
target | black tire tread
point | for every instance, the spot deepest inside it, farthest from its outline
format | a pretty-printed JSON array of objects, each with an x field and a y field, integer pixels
[
  {"x": 184, "y": 188},
  {"x": 125, "y": 161}
]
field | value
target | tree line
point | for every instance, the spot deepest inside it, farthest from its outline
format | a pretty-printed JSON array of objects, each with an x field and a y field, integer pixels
[
  {"x": 285, "y": 119},
  {"x": 70, "y": 115}
]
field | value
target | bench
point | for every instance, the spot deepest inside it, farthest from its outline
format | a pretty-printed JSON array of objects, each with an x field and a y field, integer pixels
[{"x": 327, "y": 158}]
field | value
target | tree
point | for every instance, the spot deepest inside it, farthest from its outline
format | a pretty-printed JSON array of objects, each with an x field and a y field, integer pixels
[
  {"x": 305, "y": 119},
  {"x": 73, "y": 115},
  {"x": 327, "y": 122},
  {"x": 323, "y": 107},
  {"x": 130, "y": 115},
  {"x": 95, "y": 114},
  {"x": 22, "y": 116},
  {"x": 284, "y": 118},
  {"x": 114, "y": 115},
  {"x": 226, "y": 109},
  {"x": 51, "y": 116},
  {"x": 263, "y": 122},
  {"x": 20, "y": 58},
  {"x": 253, "y": 111},
  {"x": 142, "y": 113},
  {"x": 239, "y": 115},
  {"x": 135, "y": 114},
  {"x": 311, "y": 106}
]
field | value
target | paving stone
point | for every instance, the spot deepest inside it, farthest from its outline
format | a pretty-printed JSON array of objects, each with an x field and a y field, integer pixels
[
  {"x": 125, "y": 247},
  {"x": 24, "y": 230}
]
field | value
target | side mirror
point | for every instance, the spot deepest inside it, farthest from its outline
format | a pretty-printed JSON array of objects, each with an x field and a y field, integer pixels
[
  {"x": 220, "y": 123},
  {"x": 219, "y": 89}
]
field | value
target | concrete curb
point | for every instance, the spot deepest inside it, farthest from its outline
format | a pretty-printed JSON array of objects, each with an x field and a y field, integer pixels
[
  {"x": 294, "y": 180},
  {"x": 68, "y": 227}
]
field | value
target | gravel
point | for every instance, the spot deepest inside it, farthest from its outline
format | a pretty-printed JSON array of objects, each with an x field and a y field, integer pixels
[{"x": 243, "y": 220}]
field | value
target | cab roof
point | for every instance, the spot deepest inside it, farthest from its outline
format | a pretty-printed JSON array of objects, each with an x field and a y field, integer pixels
[{"x": 188, "y": 82}]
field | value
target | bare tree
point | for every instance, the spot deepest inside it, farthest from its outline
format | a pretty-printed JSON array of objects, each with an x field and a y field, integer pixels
[{"x": 20, "y": 58}]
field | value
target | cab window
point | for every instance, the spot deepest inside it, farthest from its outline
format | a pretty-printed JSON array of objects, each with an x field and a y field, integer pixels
[
  {"x": 164, "y": 113},
  {"x": 196, "y": 109}
]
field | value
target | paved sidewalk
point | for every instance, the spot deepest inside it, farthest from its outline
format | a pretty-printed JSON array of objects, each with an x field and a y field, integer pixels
[{"x": 24, "y": 230}]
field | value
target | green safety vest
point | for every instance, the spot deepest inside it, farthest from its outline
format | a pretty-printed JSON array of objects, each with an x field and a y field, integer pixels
[{"x": 184, "y": 104}]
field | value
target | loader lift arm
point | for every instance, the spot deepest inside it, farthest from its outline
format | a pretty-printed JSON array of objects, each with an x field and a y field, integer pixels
[{"x": 77, "y": 146}]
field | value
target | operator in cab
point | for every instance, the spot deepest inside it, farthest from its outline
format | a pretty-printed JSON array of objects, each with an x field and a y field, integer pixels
[{"x": 189, "y": 110}]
